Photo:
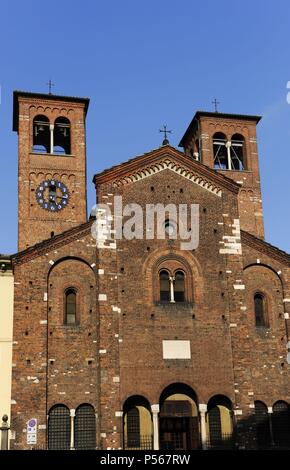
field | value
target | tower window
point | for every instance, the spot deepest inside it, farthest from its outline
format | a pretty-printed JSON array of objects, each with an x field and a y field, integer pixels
[
  {"x": 61, "y": 136},
  {"x": 70, "y": 307},
  {"x": 164, "y": 286},
  {"x": 259, "y": 301},
  {"x": 220, "y": 153},
  {"x": 41, "y": 135},
  {"x": 228, "y": 155},
  {"x": 237, "y": 152}
]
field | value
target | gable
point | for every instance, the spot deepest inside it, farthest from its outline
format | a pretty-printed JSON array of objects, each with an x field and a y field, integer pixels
[
  {"x": 166, "y": 158},
  {"x": 170, "y": 164},
  {"x": 52, "y": 244}
]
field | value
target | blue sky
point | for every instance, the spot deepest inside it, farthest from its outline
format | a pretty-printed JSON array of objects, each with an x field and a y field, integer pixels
[{"x": 144, "y": 64}]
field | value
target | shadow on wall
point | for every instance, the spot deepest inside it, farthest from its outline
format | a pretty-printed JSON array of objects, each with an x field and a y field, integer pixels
[{"x": 267, "y": 429}]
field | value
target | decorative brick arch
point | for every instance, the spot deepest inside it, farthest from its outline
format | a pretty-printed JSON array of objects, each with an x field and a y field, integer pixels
[
  {"x": 173, "y": 261},
  {"x": 167, "y": 164},
  {"x": 264, "y": 280}
]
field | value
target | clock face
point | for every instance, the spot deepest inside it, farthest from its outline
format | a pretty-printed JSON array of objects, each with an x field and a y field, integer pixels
[{"x": 52, "y": 195}]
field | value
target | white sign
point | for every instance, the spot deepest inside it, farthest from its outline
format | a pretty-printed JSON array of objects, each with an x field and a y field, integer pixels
[{"x": 31, "y": 431}]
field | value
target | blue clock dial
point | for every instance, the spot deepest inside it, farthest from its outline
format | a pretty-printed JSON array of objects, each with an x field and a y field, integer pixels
[{"x": 52, "y": 195}]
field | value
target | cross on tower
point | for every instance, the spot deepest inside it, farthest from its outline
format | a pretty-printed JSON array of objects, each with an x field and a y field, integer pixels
[
  {"x": 50, "y": 85},
  {"x": 165, "y": 132},
  {"x": 215, "y": 102}
]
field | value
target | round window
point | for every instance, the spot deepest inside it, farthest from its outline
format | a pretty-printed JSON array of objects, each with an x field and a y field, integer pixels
[{"x": 170, "y": 227}]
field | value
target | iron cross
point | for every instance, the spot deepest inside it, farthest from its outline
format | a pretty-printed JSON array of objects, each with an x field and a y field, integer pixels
[
  {"x": 50, "y": 85},
  {"x": 165, "y": 132},
  {"x": 215, "y": 102}
]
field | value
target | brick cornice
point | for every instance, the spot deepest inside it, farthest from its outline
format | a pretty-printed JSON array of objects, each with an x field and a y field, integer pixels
[
  {"x": 129, "y": 171},
  {"x": 52, "y": 243},
  {"x": 264, "y": 247}
]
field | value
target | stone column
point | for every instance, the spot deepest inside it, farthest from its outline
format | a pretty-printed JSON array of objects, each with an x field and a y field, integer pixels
[
  {"x": 155, "y": 412},
  {"x": 51, "y": 128},
  {"x": 270, "y": 413},
  {"x": 72, "y": 429},
  {"x": 171, "y": 280},
  {"x": 228, "y": 146},
  {"x": 202, "y": 411}
]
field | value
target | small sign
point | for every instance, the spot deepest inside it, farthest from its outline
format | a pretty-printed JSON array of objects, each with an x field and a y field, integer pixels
[{"x": 31, "y": 431}]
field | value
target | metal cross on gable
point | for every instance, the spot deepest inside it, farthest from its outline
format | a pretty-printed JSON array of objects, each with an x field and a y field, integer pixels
[
  {"x": 215, "y": 102},
  {"x": 165, "y": 132},
  {"x": 50, "y": 85}
]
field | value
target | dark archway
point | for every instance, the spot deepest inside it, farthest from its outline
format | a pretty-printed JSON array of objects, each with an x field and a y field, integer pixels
[
  {"x": 263, "y": 432},
  {"x": 179, "y": 426},
  {"x": 281, "y": 424},
  {"x": 137, "y": 424},
  {"x": 219, "y": 423}
]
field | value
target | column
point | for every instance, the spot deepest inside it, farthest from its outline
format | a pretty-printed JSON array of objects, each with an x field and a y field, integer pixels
[
  {"x": 202, "y": 411},
  {"x": 51, "y": 128},
  {"x": 72, "y": 428},
  {"x": 4, "y": 429},
  {"x": 228, "y": 146},
  {"x": 171, "y": 280},
  {"x": 270, "y": 413},
  {"x": 155, "y": 411}
]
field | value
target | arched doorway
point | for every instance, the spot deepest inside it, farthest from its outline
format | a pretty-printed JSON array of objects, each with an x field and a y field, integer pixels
[
  {"x": 137, "y": 424},
  {"x": 178, "y": 426},
  {"x": 219, "y": 423}
]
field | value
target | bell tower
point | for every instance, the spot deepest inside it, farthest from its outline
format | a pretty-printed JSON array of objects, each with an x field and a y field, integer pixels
[
  {"x": 51, "y": 164},
  {"x": 227, "y": 143}
]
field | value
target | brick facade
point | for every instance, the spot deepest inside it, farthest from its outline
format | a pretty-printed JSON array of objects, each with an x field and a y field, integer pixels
[{"x": 114, "y": 354}]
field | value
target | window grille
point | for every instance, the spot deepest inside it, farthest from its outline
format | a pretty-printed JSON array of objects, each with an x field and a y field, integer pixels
[{"x": 59, "y": 428}]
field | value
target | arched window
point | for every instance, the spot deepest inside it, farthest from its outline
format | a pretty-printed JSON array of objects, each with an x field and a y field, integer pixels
[
  {"x": 237, "y": 152},
  {"x": 281, "y": 424},
  {"x": 262, "y": 424},
  {"x": 179, "y": 288},
  {"x": 260, "y": 313},
  {"x": 59, "y": 428},
  {"x": 41, "y": 134},
  {"x": 61, "y": 136},
  {"x": 85, "y": 427},
  {"x": 164, "y": 286},
  {"x": 70, "y": 306},
  {"x": 133, "y": 427},
  {"x": 220, "y": 154}
]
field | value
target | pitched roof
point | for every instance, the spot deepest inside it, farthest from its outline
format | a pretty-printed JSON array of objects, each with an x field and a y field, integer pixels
[
  {"x": 43, "y": 96},
  {"x": 51, "y": 243},
  {"x": 265, "y": 247},
  {"x": 198, "y": 114},
  {"x": 149, "y": 158}
]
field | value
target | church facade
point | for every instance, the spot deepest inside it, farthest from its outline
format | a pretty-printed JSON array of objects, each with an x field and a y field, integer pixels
[{"x": 136, "y": 342}]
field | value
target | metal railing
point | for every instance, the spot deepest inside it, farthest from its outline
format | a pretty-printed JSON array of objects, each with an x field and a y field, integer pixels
[
  {"x": 142, "y": 442},
  {"x": 223, "y": 442}
]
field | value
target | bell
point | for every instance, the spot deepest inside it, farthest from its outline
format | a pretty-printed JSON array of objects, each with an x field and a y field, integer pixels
[{"x": 63, "y": 131}]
